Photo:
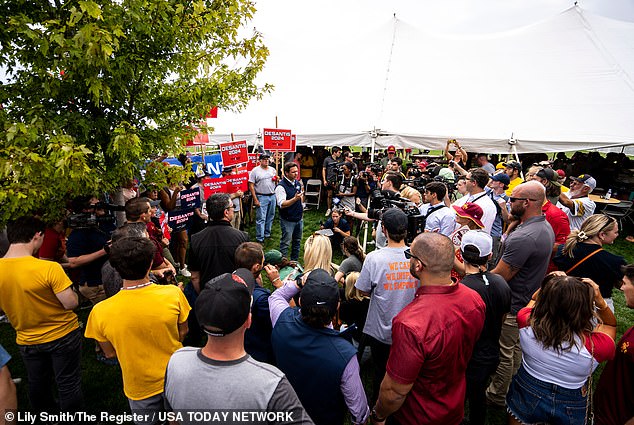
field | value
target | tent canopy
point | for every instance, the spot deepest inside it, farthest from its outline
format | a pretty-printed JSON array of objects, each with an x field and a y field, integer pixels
[{"x": 350, "y": 73}]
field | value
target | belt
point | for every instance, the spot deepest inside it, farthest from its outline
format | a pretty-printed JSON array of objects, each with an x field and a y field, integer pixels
[{"x": 264, "y": 194}]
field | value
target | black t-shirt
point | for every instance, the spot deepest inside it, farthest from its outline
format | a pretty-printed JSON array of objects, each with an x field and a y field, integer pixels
[
  {"x": 212, "y": 250},
  {"x": 603, "y": 267},
  {"x": 496, "y": 294}
]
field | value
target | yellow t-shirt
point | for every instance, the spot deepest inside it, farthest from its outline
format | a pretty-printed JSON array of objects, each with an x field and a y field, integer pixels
[
  {"x": 27, "y": 295},
  {"x": 142, "y": 326},
  {"x": 307, "y": 164},
  {"x": 515, "y": 182}
]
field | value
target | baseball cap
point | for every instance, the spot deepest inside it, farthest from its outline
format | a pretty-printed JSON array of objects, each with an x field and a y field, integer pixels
[
  {"x": 394, "y": 221},
  {"x": 561, "y": 173},
  {"x": 320, "y": 289},
  {"x": 501, "y": 177},
  {"x": 391, "y": 149},
  {"x": 272, "y": 256},
  {"x": 423, "y": 164},
  {"x": 513, "y": 164},
  {"x": 264, "y": 156},
  {"x": 224, "y": 305},
  {"x": 446, "y": 174},
  {"x": 480, "y": 240},
  {"x": 471, "y": 211},
  {"x": 499, "y": 166},
  {"x": 587, "y": 180},
  {"x": 549, "y": 174}
]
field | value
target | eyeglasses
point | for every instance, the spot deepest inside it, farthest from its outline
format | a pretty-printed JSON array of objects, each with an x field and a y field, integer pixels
[
  {"x": 512, "y": 199},
  {"x": 231, "y": 207},
  {"x": 409, "y": 255}
]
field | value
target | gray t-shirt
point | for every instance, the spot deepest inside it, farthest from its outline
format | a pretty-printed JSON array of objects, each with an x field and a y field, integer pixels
[
  {"x": 194, "y": 382},
  {"x": 528, "y": 249},
  {"x": 330, "y": 164},
  {"x": 263, "y": 180},
  {"x": 386, "y": 274},
  {"x": 350, "y": 264}
]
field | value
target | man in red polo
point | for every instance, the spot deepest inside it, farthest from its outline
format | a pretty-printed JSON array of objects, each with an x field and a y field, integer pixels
[{"x": 432, "y": 341}]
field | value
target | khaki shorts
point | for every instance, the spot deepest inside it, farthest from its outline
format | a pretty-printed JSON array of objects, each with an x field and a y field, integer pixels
[{"x": 94, "y": 294}]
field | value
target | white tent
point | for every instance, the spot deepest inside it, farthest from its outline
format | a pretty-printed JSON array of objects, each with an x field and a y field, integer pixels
[{"x": 353, "y": 73}]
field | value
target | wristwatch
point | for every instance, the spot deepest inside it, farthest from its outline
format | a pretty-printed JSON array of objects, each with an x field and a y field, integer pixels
[{"x": 375, "y": 417}]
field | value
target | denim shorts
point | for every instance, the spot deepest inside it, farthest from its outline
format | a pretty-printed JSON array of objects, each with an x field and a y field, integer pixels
[{"x": 531, "y": 400}]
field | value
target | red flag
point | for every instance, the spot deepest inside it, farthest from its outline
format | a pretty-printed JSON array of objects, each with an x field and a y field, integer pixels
[{"x": 213, "y": 112}]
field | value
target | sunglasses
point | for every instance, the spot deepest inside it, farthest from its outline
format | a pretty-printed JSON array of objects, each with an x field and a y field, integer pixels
[
  {"x": 512, "y": 199},
  {"x": 409, "y": 255}
]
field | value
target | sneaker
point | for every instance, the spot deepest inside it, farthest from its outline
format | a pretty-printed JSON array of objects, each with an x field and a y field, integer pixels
[
  {"x": 328, "y": 211},
  {"x": 185, "y": 272}
]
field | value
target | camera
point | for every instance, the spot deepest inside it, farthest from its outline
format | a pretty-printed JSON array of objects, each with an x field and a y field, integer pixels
[
  {"x": 81, "y": 220},
  {"x": 384, "y": 199}
]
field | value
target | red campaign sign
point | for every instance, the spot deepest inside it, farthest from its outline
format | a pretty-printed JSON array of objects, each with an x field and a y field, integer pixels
[
  {"x": 211, "y": 186},
  {"x": 213, "y": 112},
  {"x": 234, "y": 153},
  {"x": 199, "y": 139},
  {"x": 276, "y": 139},
  {"x": 253, "y": 161},
  {"x": 237, "y": 182},
  {"x": 293, "y": 143}
]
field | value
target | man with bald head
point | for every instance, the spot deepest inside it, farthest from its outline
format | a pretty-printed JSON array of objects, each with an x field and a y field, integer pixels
[
  {"x": 525, "y": 256},
  {"x": 432, "y": 341}
]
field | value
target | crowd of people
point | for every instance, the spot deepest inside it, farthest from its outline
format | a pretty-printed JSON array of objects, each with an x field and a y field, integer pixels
[{"x": 486, "y": 286}]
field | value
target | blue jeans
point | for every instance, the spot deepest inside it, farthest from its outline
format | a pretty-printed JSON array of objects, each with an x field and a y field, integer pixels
[
  {"x": 59, "y": 359},
  {"x": 291, "y": 234},
  {"x": 265, "y": 214},
  {"x": 531, "y": 400}
]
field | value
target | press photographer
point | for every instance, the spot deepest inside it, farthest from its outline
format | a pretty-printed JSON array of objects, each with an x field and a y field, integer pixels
[
  {"x": 92, "y": 224},
  {"x": 329, "y": 174},
  {"x": 386, "y": 198}
]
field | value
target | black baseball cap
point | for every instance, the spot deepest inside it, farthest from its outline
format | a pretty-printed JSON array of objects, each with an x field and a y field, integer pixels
[
  {"x": 394, "y": 221},
  {"x": 513, "y": 164},
  {"x": 224, "y": 305},
  {"x": 264, "y": 155},
  {"x": 320, "y": 289}
]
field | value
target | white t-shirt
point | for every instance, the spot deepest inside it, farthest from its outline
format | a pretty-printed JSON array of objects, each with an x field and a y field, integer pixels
[
  {"x": 488, "y": 208},
  {"x": 582, "y": 209}
]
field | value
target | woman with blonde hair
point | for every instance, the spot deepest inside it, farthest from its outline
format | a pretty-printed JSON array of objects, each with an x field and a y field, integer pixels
[
  {"x": 561, "y": 347},
  {"x": 317, "y": 253},
  {"x": 354, "y": 306},
  {"x": 583, "y": 255}
]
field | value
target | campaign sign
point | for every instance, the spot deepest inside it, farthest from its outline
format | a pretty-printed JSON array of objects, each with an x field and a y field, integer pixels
[
  {"x": 293, "y": 142},
  {"x": 237, "y": 182},
  {"x": 213, "y": 163},
  {"x": 190, "y": 198},
  {"x": 276, "y": 139},
  {"x": 211, "y": 186},
  {"x": 179, "y": 220},
  {"x": 253, "y": 161},
  {"x": 234, "y": 153}
]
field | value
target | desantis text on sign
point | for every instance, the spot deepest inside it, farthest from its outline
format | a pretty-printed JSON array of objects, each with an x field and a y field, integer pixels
[
  {"x": 276, "y": 139},
  {"x": 234, "y": 153}
]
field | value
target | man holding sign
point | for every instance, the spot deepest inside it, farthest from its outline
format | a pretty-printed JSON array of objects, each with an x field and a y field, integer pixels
[
  {"x": 262, "y": 182},
  {"x": 290, "y": 196}
]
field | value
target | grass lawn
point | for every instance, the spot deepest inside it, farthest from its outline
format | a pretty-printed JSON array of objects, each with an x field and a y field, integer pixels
[{"x": 102, "y": 385}]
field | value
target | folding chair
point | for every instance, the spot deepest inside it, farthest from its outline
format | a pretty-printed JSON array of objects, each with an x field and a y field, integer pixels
[
  {"x": 313, "y": 190},
  {"x": 621, "y": 212}
]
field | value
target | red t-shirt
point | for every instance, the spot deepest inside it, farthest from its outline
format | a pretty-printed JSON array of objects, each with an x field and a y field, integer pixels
[
  {"x": 432, "y": 342},
  {"x": 614, "y": 396},
  {"x": 54, "y": 245},
  {"x": 560, "y": 223}
]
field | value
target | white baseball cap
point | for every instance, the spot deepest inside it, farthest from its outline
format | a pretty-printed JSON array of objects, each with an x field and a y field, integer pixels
[{"x": 480, "y": 240}]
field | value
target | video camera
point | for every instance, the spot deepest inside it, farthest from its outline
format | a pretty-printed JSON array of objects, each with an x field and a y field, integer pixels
[
  {"x": 82, "y": 219},
  {"x": 383, "y": 199}
]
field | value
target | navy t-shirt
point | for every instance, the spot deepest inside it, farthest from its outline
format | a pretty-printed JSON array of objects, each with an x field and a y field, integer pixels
[
  {"x": 336, "y": 239},
  {"x": 604, "y": 268}
]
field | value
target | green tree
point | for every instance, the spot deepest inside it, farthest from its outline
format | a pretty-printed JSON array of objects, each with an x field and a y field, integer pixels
[{"x": 95, "y": 88}]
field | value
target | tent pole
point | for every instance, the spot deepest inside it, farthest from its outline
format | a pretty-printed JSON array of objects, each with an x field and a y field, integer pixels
[
  {"x": 512, "y": 142},
  {"x": 365, "y": 232}
]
